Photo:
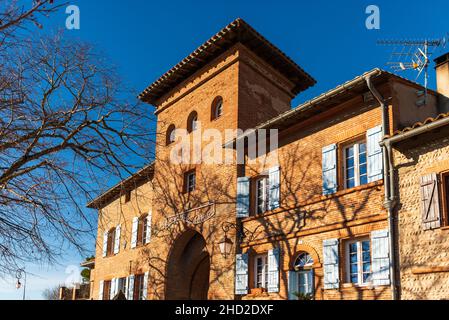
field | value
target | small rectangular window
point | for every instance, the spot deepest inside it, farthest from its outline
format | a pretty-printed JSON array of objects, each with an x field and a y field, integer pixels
[
  {"x": 190, "y": 181},
  {"x": 142, "y": 230},
  {"x": 355, "y": 165},
  {"x": 261, "y": 271},
  {"x": 359, "y": 261}
]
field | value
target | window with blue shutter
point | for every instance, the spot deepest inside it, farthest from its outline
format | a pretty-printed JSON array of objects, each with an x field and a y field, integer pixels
[
  {"x": 380, "y": 257},
  {"x": 329, "y": 167},
  {"x": 273, "y": 270},
  {"x": 274, "y": 188},
  {"x": 292, "y": 285},
  {"x": 375, "y": 154},
  {"x": 241, "y": 273},
  {"x": 242, "y": 197},
  {"x": 331, "y": 264}
]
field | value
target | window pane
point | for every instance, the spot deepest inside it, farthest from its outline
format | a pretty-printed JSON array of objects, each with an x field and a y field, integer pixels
[
  {"x": 349, "y": 163},
  {"x": 362, "y": 148},
  {"x": 350, "y": 152}
]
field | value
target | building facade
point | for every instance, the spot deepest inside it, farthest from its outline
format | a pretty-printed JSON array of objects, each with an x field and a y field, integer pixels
[{"x": 301, "y": 209}]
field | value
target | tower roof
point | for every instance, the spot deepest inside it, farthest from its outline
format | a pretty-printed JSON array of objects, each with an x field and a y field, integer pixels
[{"x": 237, "y": 31}]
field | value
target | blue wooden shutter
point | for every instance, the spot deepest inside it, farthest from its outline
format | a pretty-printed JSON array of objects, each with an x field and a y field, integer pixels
[
  {"x": 148, "y": 231},
  {"x": 117, "y": 240},
  {"x": 292, "y": 285},
  {"x": 105, "y": 244},
  {"x": 134, "y": 229},
  {"x": 242, "y": 197},
  {"x": 380, "y": 257},
  {"x": 130, "y": 295},
  {"x": 274, "y": 187},
  {"x": 241, "y": 274},
  {"x": 145, "y": 286},
  {"x": 331, "y": 260},
  {"x": 273, "y": 270},
  {"x": 329, "y": 167},
  {"x": 375, "y": 154},
  {"x": 100, "y": 291}
]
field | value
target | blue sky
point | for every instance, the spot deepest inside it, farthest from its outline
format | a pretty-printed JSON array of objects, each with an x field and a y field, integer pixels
[{"x": 328, "y": 39}]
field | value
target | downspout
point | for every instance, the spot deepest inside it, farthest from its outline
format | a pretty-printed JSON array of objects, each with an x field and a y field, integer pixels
[{"x": 390, "y": 192}]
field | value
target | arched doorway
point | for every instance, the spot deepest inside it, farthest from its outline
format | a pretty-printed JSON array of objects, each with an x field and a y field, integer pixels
[{"x": 188, "y": 268}]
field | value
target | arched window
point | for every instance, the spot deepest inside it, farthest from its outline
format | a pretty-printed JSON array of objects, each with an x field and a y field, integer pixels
[
  {"x": 192, "y": 122},
  {"x": 304, "y": 260},
  {"x": 170, "y": 138},
  {"x": 217, "y": 108},
  {"x": 303, "y": 282}
]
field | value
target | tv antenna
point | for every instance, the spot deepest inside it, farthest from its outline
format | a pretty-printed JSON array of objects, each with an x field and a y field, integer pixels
[{"x": 414, "y": 55}]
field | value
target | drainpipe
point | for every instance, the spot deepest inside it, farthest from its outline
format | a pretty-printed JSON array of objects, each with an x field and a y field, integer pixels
[{"x": 390, "y": 193}]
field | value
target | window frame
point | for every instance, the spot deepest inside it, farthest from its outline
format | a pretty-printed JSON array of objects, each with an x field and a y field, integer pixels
[
  {"x": 444, "y": 178},
  {"x": 359, "y": 241},
  {"x": 187, "y": 185},
  {"x": 107, "y": 285},
  {"x": 217, "y": 101},
  {"x": 121, "y": 284},
  {"x": 257, "y": 180},
  {"x": 356, "y": 144},
  {"x": 264, "y": 274},
  {"x": 170, "y": 135},
  {"x": 139, "y": 282},
  {"x": 110, "y": 242},
  {"x": 142, "y": 230},
  {"x": 192, "y": 121}
]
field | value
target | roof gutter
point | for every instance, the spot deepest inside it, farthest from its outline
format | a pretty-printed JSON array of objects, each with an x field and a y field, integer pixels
[
  {"x": 390, "y": 192},
  {"x": 415, "y": 132}
]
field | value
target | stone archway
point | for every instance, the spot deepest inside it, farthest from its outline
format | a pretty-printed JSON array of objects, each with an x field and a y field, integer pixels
[{"x": 188, "y": 268}]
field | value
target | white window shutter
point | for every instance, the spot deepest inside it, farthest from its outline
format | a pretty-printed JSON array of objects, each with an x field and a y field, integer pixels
[
  {"x": 241, "y": 274},
  {"x": 112, "y": 289},
  {"x": 243, "y": 197},
  {"x": 430, "y": 202},
  {"x": 329, "y": 167},
  {"x": 148, "y": 231},
  {"x": 274, "y": 187},
  {"x": 273, "y": 270},
  {"x": 100, "y": 291},
  {"x": 331, "y": 262},
  {"x": 130, "y": 295},
  {"x": 134, "y": 232},
  {"x": 117, "y": 240},
  {"x": 105, "y": 244},
  {"x": 145, "y": 286},
  {"x": 380, "y": 257},
  {"x": 125, "y": 292},
  {"x": 292, "y": 285},
  {"x": 375, "y": 154}
]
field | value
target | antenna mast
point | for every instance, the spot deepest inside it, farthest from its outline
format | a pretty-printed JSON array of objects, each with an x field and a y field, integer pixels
[{"x": 414, "y": 55}]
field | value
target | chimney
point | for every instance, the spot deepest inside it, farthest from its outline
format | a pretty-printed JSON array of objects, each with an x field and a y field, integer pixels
[{"x": 442, "y": 74}]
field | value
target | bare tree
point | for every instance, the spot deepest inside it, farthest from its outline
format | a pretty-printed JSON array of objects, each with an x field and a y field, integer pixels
[
  {"x": 51, "y": 293},
  {"x": 67, "y": 129}
]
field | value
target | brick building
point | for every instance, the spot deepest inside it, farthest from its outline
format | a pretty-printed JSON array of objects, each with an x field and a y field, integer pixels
[{"x": 312, "y": 217}]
